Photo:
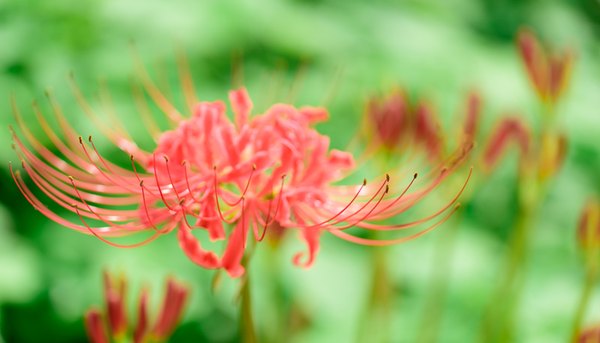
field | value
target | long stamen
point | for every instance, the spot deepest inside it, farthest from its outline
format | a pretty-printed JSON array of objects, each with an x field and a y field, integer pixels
[
  {"x": 146, "y": 209},
  {"x": 370, "y": 226},
  {"x": 37, "y": 204},
  {"x": 382, "y": 214},
  {"x": 153, "y": 237},
  {"x": 348, "y": 205},
  {"x": 326, "y": 222},
  {"x": 400, "y": 196},
  {"x": 185, "y": 211},
  {"x": 371, "y": 242},
  {"x": 158, "y": 185},
  {"x": 216, "y": 191},
  {"x": 104, "y": 162},
  {"x": 99, "y": 169},
  {"x": 187, "y": 181},
  {"x": 387, "y": 189},
  {"x": 170, "y": 178},
  {"x": 267, "y": 222},
  {"x": 159, "y": 99},
  {"x": 245, "y": 189},
  {"x": 92, "y": 211},
  {"x": 55, "y": 184}
]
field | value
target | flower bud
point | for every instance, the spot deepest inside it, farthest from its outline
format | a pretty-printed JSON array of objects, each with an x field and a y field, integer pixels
[
  {"x": 588, "y": 233},
  {"x": 471, "y": 118},
  {"x": 508, "y": 131},
  {"x": 96, "y": 323},
  {"x": 94, "y": 327},
  {"x": 389, "y": 119},
  {"x": 548, "y": 73},
  {"x": 115, "y": 305},
  {"x": 171, "y": 310}
]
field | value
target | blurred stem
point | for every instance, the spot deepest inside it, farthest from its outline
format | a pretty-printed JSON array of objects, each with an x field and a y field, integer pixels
[
  {"x": 374, "y": 326},
  {"x": 246, "y": 322},
  {"x": 431, "y": 320},
  {"x": 590, "y": 279},
  {"x": 532, "y": 192},
  {"x": 512, "y": 294},
  {"x": 505, "y": 292}
]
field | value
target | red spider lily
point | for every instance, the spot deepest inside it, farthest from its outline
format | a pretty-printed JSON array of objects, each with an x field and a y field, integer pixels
[
  {"x": 508, "y": 130},
  {"x": 398, "y": 127},
  {"x": 547, "y": 154},
  {"x": 389, "y": 119},
  {"x": 590, "y": 335},
  {"x": 261, "y": 170},
  {"x": 116, "y": 323},
  {"x": 548, "y": 73}
]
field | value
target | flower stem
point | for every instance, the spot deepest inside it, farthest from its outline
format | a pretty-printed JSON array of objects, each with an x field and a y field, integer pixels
[
  {"x": 590, "y": 279},
  {"x": 433, "y": 313},
  {"x": 375, "y": 322},
  {"x": 246, "y": 322},
  {"x": 503, "y": 297}
]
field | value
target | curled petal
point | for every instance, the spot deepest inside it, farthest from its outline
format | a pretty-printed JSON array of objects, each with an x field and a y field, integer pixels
[
  {"x": 193, "y": 250},
  {"x": 314, "y": 115},
  {"x": 311, "y": 237},
  {"x": 340, "y": 159}
]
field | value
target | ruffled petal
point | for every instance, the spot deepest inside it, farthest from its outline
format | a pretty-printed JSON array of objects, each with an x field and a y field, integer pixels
[{"x": 193, "y": 250}]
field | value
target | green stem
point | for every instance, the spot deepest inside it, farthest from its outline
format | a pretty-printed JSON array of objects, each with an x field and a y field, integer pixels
[
  {"x": 376, "y": 321},
  {"x": 246, "y": 322},
  {"x": 498, "y": 310},
  {"x": 583, "y": 302},
  {"x": 429, "y": 328}
]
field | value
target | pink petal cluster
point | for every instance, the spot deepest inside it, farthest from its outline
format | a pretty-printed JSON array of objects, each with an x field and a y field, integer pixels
[{"x": 255, "y": 171}]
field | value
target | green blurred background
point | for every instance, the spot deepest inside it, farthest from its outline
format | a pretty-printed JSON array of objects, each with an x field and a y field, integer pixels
[{"x": 438, "y": 50}]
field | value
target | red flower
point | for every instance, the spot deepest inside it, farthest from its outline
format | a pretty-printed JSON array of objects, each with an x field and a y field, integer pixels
[
  {"x": 398, "y": 127},
  {"x": 116, "y": 321},
  {"x": 272, "y": 168},
  {"x": 548, "y": 73}
]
